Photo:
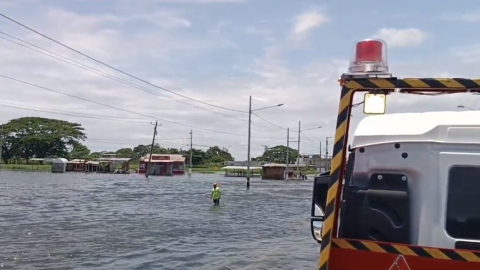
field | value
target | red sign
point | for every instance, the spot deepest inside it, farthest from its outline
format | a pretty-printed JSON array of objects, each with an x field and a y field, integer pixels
[{"x": 160, "y": 158}]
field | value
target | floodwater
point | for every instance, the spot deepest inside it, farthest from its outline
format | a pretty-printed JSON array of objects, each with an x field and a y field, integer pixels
[{"x": 90, "y": 221}]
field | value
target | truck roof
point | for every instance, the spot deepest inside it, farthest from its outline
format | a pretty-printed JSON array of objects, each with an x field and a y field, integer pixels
[{"x": 461, "y": 127}]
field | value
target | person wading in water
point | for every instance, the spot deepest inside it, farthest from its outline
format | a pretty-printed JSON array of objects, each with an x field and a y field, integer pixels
[{"x": 216, "y": 194}]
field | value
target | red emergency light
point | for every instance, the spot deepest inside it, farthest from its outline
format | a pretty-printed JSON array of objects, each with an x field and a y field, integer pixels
[
  {"x": 370, "y": 56},
  {"x": 369, "y": 51}
]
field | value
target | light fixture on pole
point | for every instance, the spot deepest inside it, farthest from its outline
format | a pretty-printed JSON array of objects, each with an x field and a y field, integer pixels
[
  {"x": 465, "y": 107},
  {"x": 250, "y": 133}
]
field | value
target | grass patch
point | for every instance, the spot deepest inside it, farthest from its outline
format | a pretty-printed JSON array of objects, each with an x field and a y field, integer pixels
[{"x": 26, "y": 167}]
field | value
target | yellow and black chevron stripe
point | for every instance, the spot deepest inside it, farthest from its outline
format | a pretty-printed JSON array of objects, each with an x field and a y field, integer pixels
[
  {"x": 336, "y": 172},
  {"x": 349, "y": 86},
  {"x": 434, "y": 253},
  {"x": 406, "y": 83}
]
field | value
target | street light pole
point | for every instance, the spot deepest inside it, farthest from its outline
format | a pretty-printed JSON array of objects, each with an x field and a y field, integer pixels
[
  {"x": 250, "y": 134},
  {"x": 191, "y": 154},
  {"x": 249, "y": 140},
  {"x": 1, "y": 144},
  {"x": 298, "y": 150},
  {"x": 326, "y": 154},
  {"x": 465, "y": 107},
  {"x": 288, "y": 148}
]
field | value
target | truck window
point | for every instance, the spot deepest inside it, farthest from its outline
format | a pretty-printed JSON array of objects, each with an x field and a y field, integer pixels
[{"x": 463, "y": 200}]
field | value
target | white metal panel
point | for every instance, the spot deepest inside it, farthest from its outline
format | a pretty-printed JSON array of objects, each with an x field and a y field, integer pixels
[
  {"x": 426, "y": 167},
  {"x": 455, "y": 127},
  {"x": 448, "y": 160}
]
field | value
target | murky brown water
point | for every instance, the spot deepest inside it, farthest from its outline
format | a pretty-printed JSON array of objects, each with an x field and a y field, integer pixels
[{"x": 79, "y": 221}]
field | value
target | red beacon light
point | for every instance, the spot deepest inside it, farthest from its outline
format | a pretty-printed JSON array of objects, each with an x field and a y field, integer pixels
[{"x": 369, "y": 57}]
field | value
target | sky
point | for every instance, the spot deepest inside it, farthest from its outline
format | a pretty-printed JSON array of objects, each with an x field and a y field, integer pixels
[{"x": 202, "y": 59}]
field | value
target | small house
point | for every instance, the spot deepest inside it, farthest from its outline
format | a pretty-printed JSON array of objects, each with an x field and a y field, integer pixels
[
  {"x": 162, "y": 164},
  {"x": 76, "y": 165},
  {"x": 278, "y": 171}
]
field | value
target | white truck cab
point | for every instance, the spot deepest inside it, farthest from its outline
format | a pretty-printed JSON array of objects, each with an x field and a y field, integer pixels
[{"x": 437, "y": 157}]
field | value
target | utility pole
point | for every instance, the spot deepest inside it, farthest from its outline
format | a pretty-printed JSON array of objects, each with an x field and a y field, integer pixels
[
  {"x": 327, "y": 166},
  {"x": 249, "y": 137},
  {"x": 298, "y": 149},
  {"x": 191, "y": 154},
  {"x": 320, "y": 159},
  {"x": 288, "y": 150},
  {"x": 1, "y": 144},
  {"x": 151, "y": 149}
]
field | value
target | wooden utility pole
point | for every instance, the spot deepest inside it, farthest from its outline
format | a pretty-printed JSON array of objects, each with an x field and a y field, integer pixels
[
  {"x": 191, "y": 154},
  {"x": 288, "y": 148},
  {"x": 151, "y": 149},
  {"x": 1, "y": 144},
  {"x": 249, "y": 140},
  {"x": 320, "y": 159},
  {"x": 298, "y": 149},
  {"x": 327, "y": 166}
]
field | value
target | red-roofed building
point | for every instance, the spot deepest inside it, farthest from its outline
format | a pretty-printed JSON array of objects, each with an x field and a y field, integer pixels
[{"x": 163, "y": 164}]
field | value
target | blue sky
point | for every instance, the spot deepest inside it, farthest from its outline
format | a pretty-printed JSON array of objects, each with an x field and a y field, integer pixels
[{"x": 220, "y": 52}]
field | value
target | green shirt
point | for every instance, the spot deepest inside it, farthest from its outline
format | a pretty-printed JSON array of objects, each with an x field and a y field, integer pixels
[{"x": 216, "y": 193}]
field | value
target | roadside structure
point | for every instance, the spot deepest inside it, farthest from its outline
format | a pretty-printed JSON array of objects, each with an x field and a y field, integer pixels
[
  {"x": 163, "y": 164},
  {"x": 241, "y": 171},
  {"x": 279, "y": 171}
]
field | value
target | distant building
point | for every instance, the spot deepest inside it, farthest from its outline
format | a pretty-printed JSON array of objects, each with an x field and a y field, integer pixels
[
  {"x": 163, "y": 164},
  {"x": 315, "y": 161},
  {"x": 278, "y": 171},
  {"x": 243, "y": 163}
]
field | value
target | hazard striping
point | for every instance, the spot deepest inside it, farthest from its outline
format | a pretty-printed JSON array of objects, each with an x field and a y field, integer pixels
[
  {"x": 329, "y": 223},
  {"x": 424, "y": 83},
  {"x": 407, "y": 250},
  {"x": 349, "y": 86}
]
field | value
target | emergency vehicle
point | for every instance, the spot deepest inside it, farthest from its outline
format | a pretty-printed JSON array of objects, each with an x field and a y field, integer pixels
[{"x": 409, "y": 195}]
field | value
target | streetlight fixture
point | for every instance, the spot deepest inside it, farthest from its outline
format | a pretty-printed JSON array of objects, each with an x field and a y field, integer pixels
[
  {"x": 465, "y": 107},
  {"x": 298, "y": 149},
  {"x": 250, "y": 133}
]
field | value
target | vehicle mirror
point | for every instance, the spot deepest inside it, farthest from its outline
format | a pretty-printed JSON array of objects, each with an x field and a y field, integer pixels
[
  {"x": 374, "y": 103},
  {"x": 319, "y": 198}
]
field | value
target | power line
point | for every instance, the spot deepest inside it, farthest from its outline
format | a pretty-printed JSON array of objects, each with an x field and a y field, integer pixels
[
  {"x": 308, "y": 139},
  {"x": 91, "y": 116},
  {"x": 101, "y": 73},
  {"x": 277, "y": 126},
  {"x": 116, "y": 69},
  {"x": 117, "y": 108}
]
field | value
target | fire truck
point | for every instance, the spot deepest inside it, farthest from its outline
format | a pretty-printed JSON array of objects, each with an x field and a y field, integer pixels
[{"x": 409, "y": 195}]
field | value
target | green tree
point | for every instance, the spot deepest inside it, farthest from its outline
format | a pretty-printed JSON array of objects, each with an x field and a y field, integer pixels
[
  {"x": 39, "y": 137},
  {"x": 218, "y": 155},
  {"x": 95, "y": 155},
  {"x": 79, "y": 151},
  {"x": 278, "y": 154},
  {"x": 143, "y": 150},
  {"x": 199, "y": 157},
  {"x": 127, "y": 153},
  {"x": 173, "y": 151}
]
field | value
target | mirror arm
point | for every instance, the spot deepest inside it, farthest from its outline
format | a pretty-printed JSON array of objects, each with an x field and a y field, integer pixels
[{"x": 317, "y": 218}]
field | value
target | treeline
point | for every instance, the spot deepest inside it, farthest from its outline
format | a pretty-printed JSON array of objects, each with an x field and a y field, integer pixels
[{"x": 36, "y": 137}]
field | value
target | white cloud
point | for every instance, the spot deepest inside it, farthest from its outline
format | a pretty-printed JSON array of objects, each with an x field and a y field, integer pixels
[
  {"x": 402, "y": 37},
  {"x": 306, "y": 22},
  {"x": 469, "y": 16}
]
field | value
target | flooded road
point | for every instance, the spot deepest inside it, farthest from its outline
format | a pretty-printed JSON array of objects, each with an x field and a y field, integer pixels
[{"x": 90, "y": 221}]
